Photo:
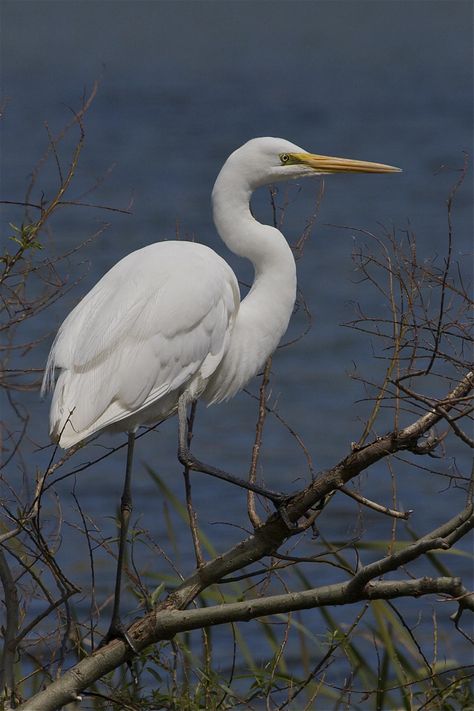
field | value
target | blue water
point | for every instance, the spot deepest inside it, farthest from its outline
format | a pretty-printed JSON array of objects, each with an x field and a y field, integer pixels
[{"x": 182, "y": 85}]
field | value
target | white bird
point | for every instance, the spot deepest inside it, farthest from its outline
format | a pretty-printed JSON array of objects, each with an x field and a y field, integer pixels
[{"x": 166, "y": 326}]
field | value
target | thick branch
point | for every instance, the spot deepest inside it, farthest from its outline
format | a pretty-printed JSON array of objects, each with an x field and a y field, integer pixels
[
  {"x": 170, "y": 617},
  {"x": 7, "y": 673},
  {"x": 169, "y": 622},
  {"x": 274, "y": 532},
  {"x": 442, "y": 538}
]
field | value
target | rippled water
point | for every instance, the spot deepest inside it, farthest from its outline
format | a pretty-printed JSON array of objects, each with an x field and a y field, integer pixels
[{"x": 182, "y": 85}]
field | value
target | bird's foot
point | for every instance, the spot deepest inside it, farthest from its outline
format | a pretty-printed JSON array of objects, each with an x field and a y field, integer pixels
[
  {"x": 188, "y": 460},
  {"x": 118, "y": 631},
  {"x": 280, "y": 502}
]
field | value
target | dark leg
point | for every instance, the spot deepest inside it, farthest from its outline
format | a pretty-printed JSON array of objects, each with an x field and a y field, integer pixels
[
  {"x": 188, "y": 460},
  {"x": 116, "y": 629}
]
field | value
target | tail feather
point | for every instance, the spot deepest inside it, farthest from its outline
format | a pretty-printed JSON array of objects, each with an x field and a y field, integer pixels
[{"x": 48, "y": 378}]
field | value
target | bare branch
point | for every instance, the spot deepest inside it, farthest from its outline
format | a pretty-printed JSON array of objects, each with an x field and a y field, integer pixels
[
  {"x": 374, "y": 505},
  {"x": 262, "y": 411},
  {"x": 7, "y": 665},
  {"x": 168, "y": 623},
  {"x": 169, "y": 617}
]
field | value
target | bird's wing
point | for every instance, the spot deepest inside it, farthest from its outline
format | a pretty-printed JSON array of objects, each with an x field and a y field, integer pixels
[{"x": 158, "y": 317}]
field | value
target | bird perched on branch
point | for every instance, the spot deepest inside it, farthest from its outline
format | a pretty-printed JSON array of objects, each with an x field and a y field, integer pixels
[{"x": 166, "y": 326}]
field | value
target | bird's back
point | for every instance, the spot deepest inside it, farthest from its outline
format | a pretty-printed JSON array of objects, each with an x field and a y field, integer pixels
[{"x": 156, "y": 324}]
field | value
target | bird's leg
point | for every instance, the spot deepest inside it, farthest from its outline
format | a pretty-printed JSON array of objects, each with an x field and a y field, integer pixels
[
  {"x": 188, "y": 460},
  {"x": 116, "y": 629}
]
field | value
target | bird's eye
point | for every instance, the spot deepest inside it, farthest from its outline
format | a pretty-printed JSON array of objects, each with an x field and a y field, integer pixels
[{"x": 284, "y": 157}]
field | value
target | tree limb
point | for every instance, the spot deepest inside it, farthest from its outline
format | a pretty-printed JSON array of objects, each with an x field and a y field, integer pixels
[
  {"x": 171, "y": 617},
  {"x": 7, "y": 658},
  {"x": 169, "y": 622}
]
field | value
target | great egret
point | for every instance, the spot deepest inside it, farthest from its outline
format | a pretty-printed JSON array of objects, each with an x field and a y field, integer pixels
[{"x": 165, "y": 326}]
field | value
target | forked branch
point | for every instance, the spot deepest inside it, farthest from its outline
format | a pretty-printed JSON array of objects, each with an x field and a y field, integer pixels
[{"x": 171, "y": 616}]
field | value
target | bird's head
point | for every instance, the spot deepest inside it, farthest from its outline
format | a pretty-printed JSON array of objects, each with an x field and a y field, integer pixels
[{"x": 268, "y": 160}]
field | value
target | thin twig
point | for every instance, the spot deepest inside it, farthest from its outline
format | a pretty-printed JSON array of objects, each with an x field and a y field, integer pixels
[
  {"x": 375, "y": 506},
  {"x": 251, "y": 509}
]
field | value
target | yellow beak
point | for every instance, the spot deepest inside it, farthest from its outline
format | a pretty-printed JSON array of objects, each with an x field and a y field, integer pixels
[{"x": 329, "y": 164}]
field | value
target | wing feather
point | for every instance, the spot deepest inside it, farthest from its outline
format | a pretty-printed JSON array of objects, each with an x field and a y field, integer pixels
[{"x": 158, "y": 318}]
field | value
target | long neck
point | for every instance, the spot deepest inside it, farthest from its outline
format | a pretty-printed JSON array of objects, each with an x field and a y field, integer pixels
[
  {"x": 265, "y": 246},
  {"x": 265, "y": 312}
]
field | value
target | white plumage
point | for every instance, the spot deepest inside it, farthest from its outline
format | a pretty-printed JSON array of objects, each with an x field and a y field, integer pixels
[
  {"x": 165, "y": 325},
  {"x": 139, "y": 337},
  {"x": 166, "y": 321}
]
